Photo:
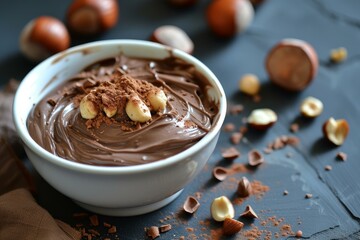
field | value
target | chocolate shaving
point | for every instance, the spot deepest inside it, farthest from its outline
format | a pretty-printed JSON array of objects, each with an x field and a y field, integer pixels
[
  {"x": 191, "y": 205},
  {"x": 153, "y": 232},
  {"x": 244, "y": 187},
  {"x": 255, "y": 158},
  {"x": 230, "y": 153},
  {"x": 249, "y": 212},
  {"x": 220, "y": 173}
]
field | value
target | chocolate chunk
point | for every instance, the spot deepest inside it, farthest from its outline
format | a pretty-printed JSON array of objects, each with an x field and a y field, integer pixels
[
  {"x": 232, "y": 226},
  {"x": 244, "y": 187},
  {"x": 255, "y": 158},
  {"x": 220, "y": 173},
  {"x": 249, "y": 212},
  {"x": 230, "y": 153},
  {"x": 191, "y": 205}
]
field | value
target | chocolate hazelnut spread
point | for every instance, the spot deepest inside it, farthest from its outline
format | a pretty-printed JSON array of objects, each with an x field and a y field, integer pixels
[{"x": 91, "y": 118}]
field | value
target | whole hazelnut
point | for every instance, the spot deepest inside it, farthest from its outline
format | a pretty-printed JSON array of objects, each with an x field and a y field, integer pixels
[
  {"x": 226, "y": 18},
  {"x": 43, "y": 37},
  {"x": 292, "y": 64},
  {"x": 87, "y": 17}
]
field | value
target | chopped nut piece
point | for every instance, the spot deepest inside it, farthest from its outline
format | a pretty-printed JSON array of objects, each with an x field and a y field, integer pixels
[
  {"x": 294, "y": 127},
  {"x": 153, "y": 232},
  {"x": 220, "y": 173},
  {"x": 165, "y": 228},
  {"x": 286, "y": 192},
  {"x": 341, "y": 156},
  {"x": 232, "y": 226},
  {"x": 94, "y": 220},
  {"x": 222, "y": 208},
  {"x": 236, "y": 138},
  {"x": 229, "y": 127},
  {"x": 311, "y": 107},
  {"x": 255, "y": 158},
  {"x": 249, "y": 84},
  {"x": 249, "y": 212},
  {"x": 338, "y": 55},
  {"x": 137, "y": 110},
  {"x": 191, "y": 205},
  {"x": 328, "y": 168},
  {"x": 236, "y": 109},
  {"x": 293, "y": 141},
  {"x": 336, "y": 131},
  {"x": 230, "y": 153},
  {"x": 88, "y": 109},
  {"x": 262, "y": 119},
  {"x": 112, "y": 229},
  {"x": 244, "y": 187},
  {"x": 308, "y": 195},
  {"x": 298, "y": 234},
  {"x": 157, "y": 99}
]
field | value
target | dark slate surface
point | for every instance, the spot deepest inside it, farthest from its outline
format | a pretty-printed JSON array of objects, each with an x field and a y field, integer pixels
[{"x": 334, "y": 211}]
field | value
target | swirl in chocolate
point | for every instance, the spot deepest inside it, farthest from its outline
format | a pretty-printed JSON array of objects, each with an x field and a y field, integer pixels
[{"x": 114, "y": 138}]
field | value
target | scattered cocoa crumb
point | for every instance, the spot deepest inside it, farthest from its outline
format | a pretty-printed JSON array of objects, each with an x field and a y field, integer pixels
[
  {"x": 308, "y": 195},
  {"x": 299, "y": 234},
  {"x": 341, "y": 156},
  {"x": 236, "y": 109},
  {"x": 257, "y": 98},
  {"x": 236, "y": 138},
  {"x": 94, "y": 232},
  {"x": 182, "y": 238},
  {"x": 80, "y": 215},
  {"x": 243, "y": 129},
  {"x": 328, "y": 168},
  {"x": 189, "y": 229},
  {"x": 294, "y": 127},
  {"x": 230, "y": 153},
  {"x": 229, "y": 127},
  {"x": 107, "y": 224},
  {"x": 286, "y": 192}
]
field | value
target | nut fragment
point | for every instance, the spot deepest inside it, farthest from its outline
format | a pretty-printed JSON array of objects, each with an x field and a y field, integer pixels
[
  {"x": 157, "y": 99},
  {"x": 292, "y": 64},
  {"x": 336, "y": 131},
  {"x": 174, "y": 37},
  {"x": 262, "y": 118},
  {"x": 244, "y": 187},
  {"x": 42, "y": 37},
  {"x": 191, "y": 205},
  {"x": 220, "y": 173},
  {"x": 338, "y": 55},
  {"x": 222, "y": 208},
  {"x": 249, "y": 212},
  {"x": 153, "y": 232},
  {"x": 232, "y": 226},
  {"x": 230, "y": 153},
  {"x": 137, "y": 110},
  {"x": 88, "y": 108},
  {"x": 255, "y": 158},
  {"x": 226, "y": 18},
  {"x": 249, "y": 84},
  {"x": 341, "y": 156},
  {"x": 165, "y": 228},
  {"x": 110, "y": 111},
  {"x": 311, "y": 107}
]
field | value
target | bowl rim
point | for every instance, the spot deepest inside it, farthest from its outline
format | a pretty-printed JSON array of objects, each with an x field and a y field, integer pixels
[{"x": 30, "y": 143}]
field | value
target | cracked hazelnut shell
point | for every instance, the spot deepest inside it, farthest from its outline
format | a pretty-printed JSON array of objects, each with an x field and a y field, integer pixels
[
  {"x": 292, "y": 64},
  {"x": 336, "y": 131},
  {"x": 43, "y": 37},
  {"x": 88, "y": 17}
]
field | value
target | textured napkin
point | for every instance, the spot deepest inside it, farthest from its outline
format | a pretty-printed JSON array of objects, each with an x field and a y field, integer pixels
[{"x": 20, "y": 216}]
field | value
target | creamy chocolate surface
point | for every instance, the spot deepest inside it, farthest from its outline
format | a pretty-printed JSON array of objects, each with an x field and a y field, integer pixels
[{"x": 57, "y": 125}]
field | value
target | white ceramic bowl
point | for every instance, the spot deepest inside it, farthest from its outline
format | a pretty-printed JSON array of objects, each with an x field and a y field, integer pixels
[{"x": 118, "y": 191}]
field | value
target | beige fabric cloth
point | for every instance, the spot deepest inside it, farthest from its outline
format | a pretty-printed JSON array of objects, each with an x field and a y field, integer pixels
[{"x": 20, "y": 216}]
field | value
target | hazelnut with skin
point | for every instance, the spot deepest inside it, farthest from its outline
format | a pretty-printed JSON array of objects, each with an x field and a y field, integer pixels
[
  {"x": 88, "y": 17},
  {"x": 226, "y": 18},
  {"x": 262, "y": 119},
  {"x": 292, "y": 64},
  {"x": 43, "y": 37}
]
